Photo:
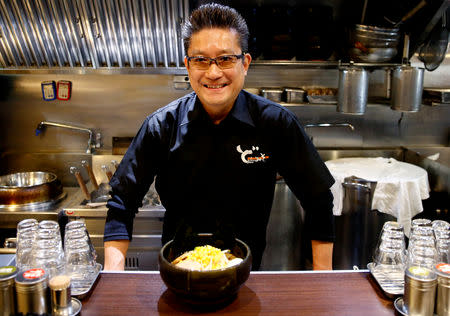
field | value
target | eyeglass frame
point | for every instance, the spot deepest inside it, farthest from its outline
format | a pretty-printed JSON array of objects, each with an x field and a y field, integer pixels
[{"x": 214, "y": 60}]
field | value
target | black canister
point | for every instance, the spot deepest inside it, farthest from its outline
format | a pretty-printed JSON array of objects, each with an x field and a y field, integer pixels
[
  {"x": 32, "y": 292},
  {"x": 7, "y": 295}
]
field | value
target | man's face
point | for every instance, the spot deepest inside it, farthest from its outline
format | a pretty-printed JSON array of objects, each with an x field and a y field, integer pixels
[{"x": 217, "y": 88}]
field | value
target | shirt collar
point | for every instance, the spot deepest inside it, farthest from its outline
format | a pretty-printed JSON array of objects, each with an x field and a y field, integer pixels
[{"x": 195, "y": 110}]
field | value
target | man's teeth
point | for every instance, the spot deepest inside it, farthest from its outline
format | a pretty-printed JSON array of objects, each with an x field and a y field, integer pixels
[{"x": 215, "y": 86}]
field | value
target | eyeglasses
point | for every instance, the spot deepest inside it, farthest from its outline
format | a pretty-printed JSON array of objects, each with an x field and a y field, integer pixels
[{"x": 223, "y": 62}]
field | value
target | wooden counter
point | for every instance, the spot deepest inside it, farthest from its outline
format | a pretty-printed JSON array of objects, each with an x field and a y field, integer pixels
[{"x": 264, "y": 293}]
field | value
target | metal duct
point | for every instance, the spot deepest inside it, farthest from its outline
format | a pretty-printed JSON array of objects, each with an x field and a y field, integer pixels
[{"x": 91, "y": 33}]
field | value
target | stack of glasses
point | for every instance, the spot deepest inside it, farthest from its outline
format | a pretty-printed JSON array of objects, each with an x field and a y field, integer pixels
[
  {"x": 39, "y": 245},
  {"x": 429, "y": 243},
  {"x": 390, "y": 253},
  {"x": 422, "y": 271}
]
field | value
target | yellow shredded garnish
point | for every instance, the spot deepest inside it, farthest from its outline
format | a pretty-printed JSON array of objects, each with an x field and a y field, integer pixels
[{"x": 209, "y": 257}]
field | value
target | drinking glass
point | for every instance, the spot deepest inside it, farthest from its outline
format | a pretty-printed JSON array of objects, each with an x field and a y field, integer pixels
[
  {"x": 47, "y": 252},
  {"x": 76, "y": 225},
  {"x": 422, "y": 252},
  {"x": 26, "y": 231},
  {"x": 420, "y": 222},
  {"x": 441, "y": 231},
  {"x": 79, "y": 259},
  {"x": 390, "y": 253}
]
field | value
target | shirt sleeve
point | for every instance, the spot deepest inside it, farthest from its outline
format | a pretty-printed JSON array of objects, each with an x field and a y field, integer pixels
[
  {"x": 308, "y": 178},
  {"x": 132, "y": 180}
]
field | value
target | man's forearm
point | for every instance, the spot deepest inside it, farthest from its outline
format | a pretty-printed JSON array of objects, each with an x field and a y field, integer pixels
[
  {"x": 115, "y": 253},
  {"x": 322, "y": 253}
]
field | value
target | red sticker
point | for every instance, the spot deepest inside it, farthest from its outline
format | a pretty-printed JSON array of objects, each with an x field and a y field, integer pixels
[
  {"x": 33, "y": 273},
  {"x": 443, "y": 267}
]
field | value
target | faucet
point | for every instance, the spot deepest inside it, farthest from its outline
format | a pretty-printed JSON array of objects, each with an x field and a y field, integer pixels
[
  {"x": 94, "y": 142},
  {"x": 331, "y": 125}
]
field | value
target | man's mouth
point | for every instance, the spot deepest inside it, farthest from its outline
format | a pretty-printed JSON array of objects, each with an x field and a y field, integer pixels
[{"x": 215, "y": 86}]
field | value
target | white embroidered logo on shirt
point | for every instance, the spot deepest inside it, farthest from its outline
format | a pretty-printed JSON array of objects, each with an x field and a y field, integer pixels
[{"x": 246, "y": 154}]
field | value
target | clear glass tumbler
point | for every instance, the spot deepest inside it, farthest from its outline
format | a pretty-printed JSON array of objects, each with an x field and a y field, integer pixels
[
  {"x": 47, "y": 252},
  {"x": 79, "y": 259},
  {"x": 26, "y": 231}
]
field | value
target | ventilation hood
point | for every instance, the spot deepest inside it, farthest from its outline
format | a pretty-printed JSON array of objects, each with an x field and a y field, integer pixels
[{"x": 46, "y": 34}]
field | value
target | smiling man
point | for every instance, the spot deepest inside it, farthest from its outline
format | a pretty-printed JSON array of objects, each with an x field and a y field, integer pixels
[{"x": 216, "y": 152}]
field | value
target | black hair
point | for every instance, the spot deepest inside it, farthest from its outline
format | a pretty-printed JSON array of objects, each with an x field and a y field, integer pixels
[{"x": 213, "y": 15}]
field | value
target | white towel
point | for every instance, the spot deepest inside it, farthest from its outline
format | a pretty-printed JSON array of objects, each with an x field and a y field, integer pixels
[{"x": 400, "y": 189}]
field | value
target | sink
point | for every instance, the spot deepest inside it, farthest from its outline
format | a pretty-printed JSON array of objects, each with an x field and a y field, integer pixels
[
  {"x": 55, "y": 162},
  {"x": 435, "y": 160},
  {"x": 336, "y": 153}
]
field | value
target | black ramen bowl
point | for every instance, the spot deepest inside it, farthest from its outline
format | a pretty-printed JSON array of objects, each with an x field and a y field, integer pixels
[{"x": 205, "y": 287}]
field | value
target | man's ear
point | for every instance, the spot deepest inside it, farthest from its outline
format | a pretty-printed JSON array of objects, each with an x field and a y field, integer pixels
[
  {"x": 246, "y": 62},
  {"x": 186, "y": 64}
]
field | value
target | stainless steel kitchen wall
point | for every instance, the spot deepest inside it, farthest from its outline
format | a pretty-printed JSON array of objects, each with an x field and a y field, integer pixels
[
  {"x": 116, "y": 105},
  {"x": 91, "y": 33}
]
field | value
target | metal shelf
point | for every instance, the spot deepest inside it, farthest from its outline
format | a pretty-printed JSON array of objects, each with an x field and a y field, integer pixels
[{"x": 318, "y": 64}]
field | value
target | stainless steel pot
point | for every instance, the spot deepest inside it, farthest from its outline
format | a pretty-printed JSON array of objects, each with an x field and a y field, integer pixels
[
  {"x": 358, "y": 226},
  {"x": 358, "y": 194},
  {"x": 29, "y": 187}
]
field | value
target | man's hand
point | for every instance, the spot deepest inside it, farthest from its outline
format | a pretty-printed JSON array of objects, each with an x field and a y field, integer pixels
[
  {"x": 115, "y": 253},
  {"x": 322, "y": 254}
]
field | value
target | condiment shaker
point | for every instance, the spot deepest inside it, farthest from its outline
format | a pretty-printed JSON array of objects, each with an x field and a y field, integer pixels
[
  {"x": 60, "y": 295},
  {"x": 443, "y": 289},
  {"x": 7, "y": 294},
  {"x": 31, "y": 292},
  {"x": 420, "y": 291}
]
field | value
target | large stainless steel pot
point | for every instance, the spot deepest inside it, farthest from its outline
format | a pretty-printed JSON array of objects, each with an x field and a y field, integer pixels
[
  {"x": 358, "y": 195},
  {"x": 29, "y": 187},
  {"x": 358, "y": 227}
]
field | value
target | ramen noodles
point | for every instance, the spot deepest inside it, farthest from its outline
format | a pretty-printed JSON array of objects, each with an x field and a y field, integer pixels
[{"x": 206, "y": 258}]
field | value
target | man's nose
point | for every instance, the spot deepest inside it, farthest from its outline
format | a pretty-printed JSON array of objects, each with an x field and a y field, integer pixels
[{"x": 214, "y": 71}]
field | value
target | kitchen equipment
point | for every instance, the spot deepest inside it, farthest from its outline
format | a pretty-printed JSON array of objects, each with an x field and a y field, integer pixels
[
  {"x": 77, "y": 174},
  {"x": 31, "y": 292},
  {"x": 420, "y": 291},
  {"x": 407, "y": 86},
  {"x": 358, "y": 226},
  {"x": 353, "y": 90},
  {"x": 30, "y": 187},
  {"x": 435, "y": 96},
  {"x": 204, "y": 287},
  {"x": 60, "y": 295},
  {"x": 107, "y": 171},
  {"x": 88, "y": 168},
  {"x": 358, "y": 194},
  {"x": 321, "y": 95},
  {"x": 274, "y": 94},
  {"x": 432, "y": 51},
  {"x": 96, "y": 196},
  {"x": 443, "y": 289},
  {"x": 7, "y": 293},
  {"x": 373, "y": 44},
  {"x": 295, "y": 95},
  {"x": 392, "y": 284}
]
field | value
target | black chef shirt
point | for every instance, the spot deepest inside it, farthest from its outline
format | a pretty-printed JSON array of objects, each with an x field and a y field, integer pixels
[{"x": 208, "y": 175}]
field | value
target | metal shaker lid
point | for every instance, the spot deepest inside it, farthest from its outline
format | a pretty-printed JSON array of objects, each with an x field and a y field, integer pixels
[
  {"x": 7, "y": 273},
  {"x": 443, "y": 270},
  {"x": 30, "y": 277},
  {"x": 420, "y": 273}
]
